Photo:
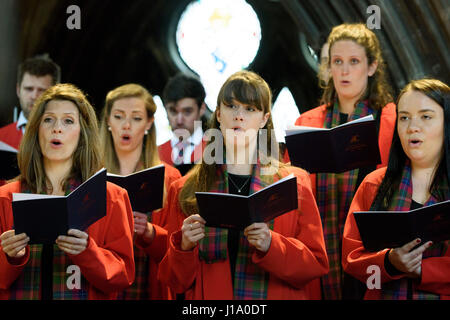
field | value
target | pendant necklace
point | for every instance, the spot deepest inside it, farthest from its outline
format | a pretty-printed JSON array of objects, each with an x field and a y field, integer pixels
[{"x": 239, "y": 189}]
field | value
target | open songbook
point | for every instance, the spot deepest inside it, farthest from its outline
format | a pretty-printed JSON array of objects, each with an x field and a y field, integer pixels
[
  {"x": 226, "y": 210},
  {"x": 145, "y": 188},
  {"x": 348, "y": 146},
  {"x": 391, "y": 229},
  {"x": 8, "y": 162},
  {"x": 45, "y": 217}
]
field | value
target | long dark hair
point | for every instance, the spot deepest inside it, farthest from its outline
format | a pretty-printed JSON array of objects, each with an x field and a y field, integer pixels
[{"x": 440, "y": 93}]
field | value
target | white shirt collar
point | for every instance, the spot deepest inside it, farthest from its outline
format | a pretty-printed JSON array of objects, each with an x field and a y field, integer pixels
[
  {"x": 195, "y": 138},
  {"x": 21, "y": 122}
]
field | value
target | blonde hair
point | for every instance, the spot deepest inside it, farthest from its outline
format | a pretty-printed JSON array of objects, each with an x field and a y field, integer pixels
[
  {"x": 86, "y": 158},
  {"x": 149, "y": 155}
]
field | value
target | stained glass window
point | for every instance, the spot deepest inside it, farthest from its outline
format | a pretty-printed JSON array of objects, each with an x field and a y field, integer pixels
[{"x": 216, "y": 38}]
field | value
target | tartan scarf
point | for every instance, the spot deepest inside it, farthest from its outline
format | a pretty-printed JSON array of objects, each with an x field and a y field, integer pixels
[
  {"x": 28, "y": 285},
  {"x": 250, "y": 281},
  {"x": 139, "y": 289},
  {"x": 401, "y": 201},
  {"x": 334, "y": 193}
]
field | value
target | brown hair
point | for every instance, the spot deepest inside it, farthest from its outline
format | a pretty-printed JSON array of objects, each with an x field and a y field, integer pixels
[
  {"x": 86, "y": 158},
  {"x": 149, "y": 155},
  {"x": 248, "y": 88},
  {"x": 378, "y": 91},
  {"x": 39, "y": 66}
]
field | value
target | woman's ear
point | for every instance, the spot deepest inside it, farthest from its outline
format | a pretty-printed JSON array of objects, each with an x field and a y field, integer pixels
[
  {"x": 372, "y": 68},
  {"x": 218, "y": 113},
  {"x": 264, "y": 120},
  {"x": 149, "y": 123}
]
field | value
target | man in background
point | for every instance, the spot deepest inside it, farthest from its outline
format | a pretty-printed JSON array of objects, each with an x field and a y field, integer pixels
[
  {"x": 184, "y": 100},
  {"x": 34, "y": 76}
]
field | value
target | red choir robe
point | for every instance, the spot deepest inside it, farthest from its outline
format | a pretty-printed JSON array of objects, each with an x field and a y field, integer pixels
[
  {"x": 316, "y": 118},
  {"x": 107, "y": 262},
  {"x": 356, "y": 259},
  {"x": 158, "y": 247},
  {"x": 296, "y": 255},
  {"x": 12, "y": 136}
]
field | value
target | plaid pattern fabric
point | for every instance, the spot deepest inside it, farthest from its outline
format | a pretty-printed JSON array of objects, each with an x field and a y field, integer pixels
[
  {"x": 398, "y": 289},
  {"x": 250, "y": 282},
  {"x": 60, "y": 277},
  {"x": 334, "y": 195},
  {"x": 213, "y": 247},
  {"x": 28, "y": 284},
  {"x": 139, "y": 289}
]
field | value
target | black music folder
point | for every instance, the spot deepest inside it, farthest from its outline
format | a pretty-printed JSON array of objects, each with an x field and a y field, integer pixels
[
  {"x": 226, "y": 210},
  {"x": 45, "y": 217},
  {"x": 8, "y": 162},
  {"x": 145, "y": 188},
  {"x": 351, "y": 145},
  {"x": 391, "y": 229}
]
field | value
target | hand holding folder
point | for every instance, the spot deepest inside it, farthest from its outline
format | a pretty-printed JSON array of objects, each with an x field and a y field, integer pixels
[
  {"x": 145, "y": 188},
  {"x": 224, "y": 210},
  {"x": 351, "y": 145},
  {"x": 391, "y": 229},
  {"x": 45, "y": 217}
]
